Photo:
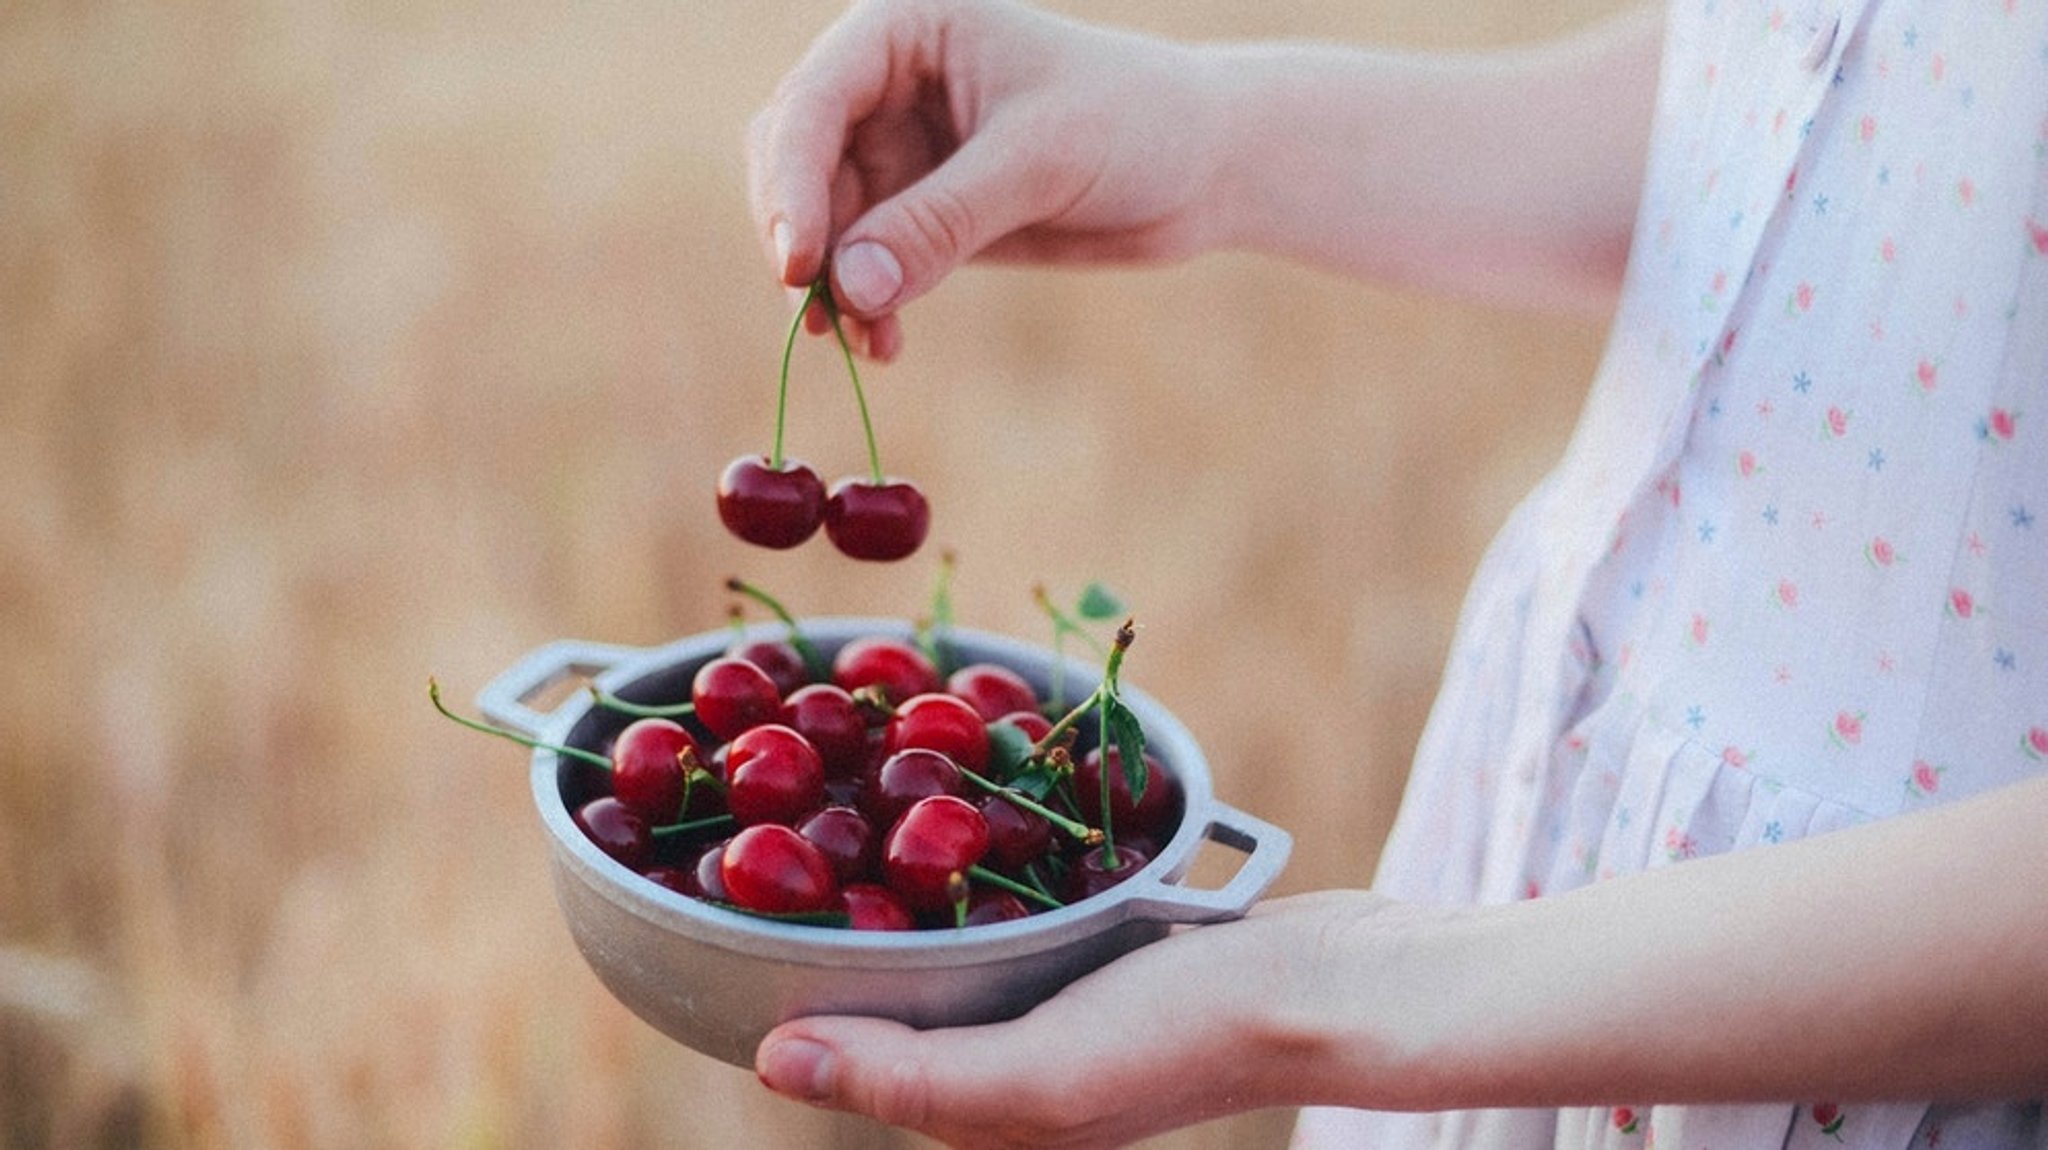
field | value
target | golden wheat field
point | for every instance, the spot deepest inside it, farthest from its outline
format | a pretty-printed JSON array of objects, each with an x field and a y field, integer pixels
[{"x": 345, "y": 345}]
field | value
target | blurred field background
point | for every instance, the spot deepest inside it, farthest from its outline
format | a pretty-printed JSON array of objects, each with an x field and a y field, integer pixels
[{"x": 341, "y": 345}]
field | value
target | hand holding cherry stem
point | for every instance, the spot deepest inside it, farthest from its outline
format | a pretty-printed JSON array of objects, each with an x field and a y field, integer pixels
[{"x": 776, "y": 502}]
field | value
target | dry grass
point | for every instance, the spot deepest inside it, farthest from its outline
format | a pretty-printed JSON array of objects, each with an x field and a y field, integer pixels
[{"x": 345, "y": 344}]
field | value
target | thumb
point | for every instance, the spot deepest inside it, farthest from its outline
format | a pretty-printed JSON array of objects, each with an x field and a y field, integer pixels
[{"x": 902, "y": 247}]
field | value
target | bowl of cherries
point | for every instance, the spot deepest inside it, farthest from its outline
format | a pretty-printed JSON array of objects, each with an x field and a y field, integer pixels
[{"x": 867, "y": 816}]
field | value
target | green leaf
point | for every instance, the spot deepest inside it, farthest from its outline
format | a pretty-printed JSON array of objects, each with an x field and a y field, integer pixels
[
  {"x": 1035, "y": 781},
  {"x": 1098, "y": 602},
  {"x": 1008, "y": 748},
  {"x": 1130, "y": 744}
]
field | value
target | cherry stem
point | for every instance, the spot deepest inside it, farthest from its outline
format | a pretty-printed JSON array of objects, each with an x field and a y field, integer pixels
[
  {"x": 982, "y": 874},
  {"x": 940, "y": 620},
  {"x": 1125, "y": 635},
  {"x": 640, "y": 710},
  {"x": 812, "y": 659},
  {"x": 782, "y": 392},
  {"x": 434, "y": 693},
  {"x": 692, "y": 825},
  {"x": 860, "y": 397},
  {"x": 1073, "y": 827}
]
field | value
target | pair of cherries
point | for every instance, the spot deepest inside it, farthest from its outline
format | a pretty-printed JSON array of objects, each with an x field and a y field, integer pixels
[{"x": 777, "y": 502}]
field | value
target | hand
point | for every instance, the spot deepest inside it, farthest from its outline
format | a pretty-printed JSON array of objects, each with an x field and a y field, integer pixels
[
  {"x": 918, "y": 134},
  {"x": 1206, "y": 1022}
]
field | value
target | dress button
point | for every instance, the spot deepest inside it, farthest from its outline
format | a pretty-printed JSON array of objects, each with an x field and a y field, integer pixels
[{"x": 1824, "y": 30}]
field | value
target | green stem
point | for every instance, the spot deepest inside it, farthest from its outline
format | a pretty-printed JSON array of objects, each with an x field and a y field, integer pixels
[
  {"x": 1073, "y": 827},
  {"x": 1067, "y": 722},
  {"x": 640, "y": 710},
  {"x": 820, "y": 669},
  {"x": 692, "y": 825},
  {"x": 782, "y": 392},
  {"x": 434, "y": 693},
  {"x": 860, "y": 397},
  {"x": 982, "y": 874}
]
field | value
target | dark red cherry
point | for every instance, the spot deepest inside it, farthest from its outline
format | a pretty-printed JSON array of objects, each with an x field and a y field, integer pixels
[
  {"x": 647, "y": 767},
  {"x": 942, "y": 723},
  {"x": 872, "y": 906},
  {"x": 987, "y": 906},
  {"x": 707, "y": 876},
  {"x": 895, "y": 665},
  {"x": 1016, "y": 837},
  {"x": 617, "y": 829},
  {"x": 903, "y": 779},
  {"x": 1152, "y": 815},
  {"x": 1092, "y": 872},
  {"x": 677, "y": 879},
  {"x": 772, "y": 869},
  {"x": 992, "y": 689},
  {"x": 880, "y": 521},
  {"x": 833, "y": 722},
  {"x": 780, "y": 658},
  {"x": 773, "y": 775},
  {"x": 930, "y": 848},
  {"x": 845, "y": 838},
  {"x": 732, "y": 695},
  {"x": 1034, "y": 725},
  {"x": 770, "y": 507}
]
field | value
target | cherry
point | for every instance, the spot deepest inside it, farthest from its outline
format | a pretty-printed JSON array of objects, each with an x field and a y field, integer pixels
[
  {"x": 648, "y": 772},
  {"x": 941, "y": 723},
  {"x": 731, "y": 695},
  {"x": 1092, "y": 873},
  {"x": 773, "y": 775},
  {"x": 844, "y": 837},
  {"x": 1034, "y": 725},
  {"x": 906, "y": 777},
  {"x": 1151, "y": 815},
  {"x": 881, "y": 520},
  {"x": 930, "y": 849},
  {"x": 617, "y": 829},
  {"x": 677, "y": 879},
  {"x": 993, "y": 690},
  {"x": 894, "y": 665},
  {"x": 1016, "y": 837},
  {"x": 771, "y": 505},
  {"x": 779, "y": 658},
  {"x": 828, "y": 716},
  {"x": 707, "y": 877},
  {"x": 772, "y": 869},
  {"x": 872, "y": 906},
  {"x": 987, "y": 906}
]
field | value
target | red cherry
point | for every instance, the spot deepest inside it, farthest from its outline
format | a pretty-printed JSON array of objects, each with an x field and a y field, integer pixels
[
  {"x": 894, "y": 665},
  {"x": 988, "y": 905},
  {"x": 1153, "y": 815},
  {"x": 732, "y": 695},
  {"x": 772, "y": 869},
  {"x": 674, "y": 878},
  {"x": 940, "y": 723},
  {"x": 879, "y": 521},
  {"x": 773, "y": 775},
  {"x": 770, "y": 507},
  {"x": 903, "y": 779},
  {"x": 872, "y": 906},
  {"x": 833, "y": 722},
  {"x": 1092, "y": 873},
  {"x": 993, "y": 690},
  {"x": 617, "y": 829},
  {"x": 1034, "y": 725},
  {"x": 844, "y": 837},
  {"x": 779, "y": 657},
  {"x": 647, "y": 768},
  {"x": 1016, "y": 837},
  {"x": 937, "y": 839}
]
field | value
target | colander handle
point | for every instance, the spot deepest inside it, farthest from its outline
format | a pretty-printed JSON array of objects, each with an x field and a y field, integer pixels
[
  {"x": 503, "y": 699},
  {"x": 1265, "y": 848}
]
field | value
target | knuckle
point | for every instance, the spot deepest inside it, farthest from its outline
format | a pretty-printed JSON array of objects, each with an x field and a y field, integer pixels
[
  {"x": 942, "y": 223},
  {"x": 902, "y": 1094}
]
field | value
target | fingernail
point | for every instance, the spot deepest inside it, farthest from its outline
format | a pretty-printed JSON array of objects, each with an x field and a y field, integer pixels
[
  {"x": 869, "y": 275},
  {"x": 799, "y": 1068},
  {"x": 781, "y": 237}
]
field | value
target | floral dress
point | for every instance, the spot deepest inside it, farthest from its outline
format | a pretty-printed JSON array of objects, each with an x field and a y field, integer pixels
[{"x": 1792, "y": 572}]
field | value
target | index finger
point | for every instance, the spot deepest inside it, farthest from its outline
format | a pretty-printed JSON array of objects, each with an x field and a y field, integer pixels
[{"x": 799, "y": 140}]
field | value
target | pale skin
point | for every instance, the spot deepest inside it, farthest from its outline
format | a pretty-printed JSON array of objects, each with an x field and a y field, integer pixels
[{"x": 1904, "y": 959}]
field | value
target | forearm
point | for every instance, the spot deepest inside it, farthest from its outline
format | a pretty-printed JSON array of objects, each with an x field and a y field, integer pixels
[
  {"x": 1905, "y": 959},
  {"x": 1510, "y": 176}
]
